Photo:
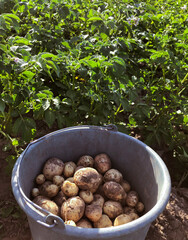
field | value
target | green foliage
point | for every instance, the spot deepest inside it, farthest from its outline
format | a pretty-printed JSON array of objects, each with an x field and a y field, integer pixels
[{"x": 96, "y": 62}]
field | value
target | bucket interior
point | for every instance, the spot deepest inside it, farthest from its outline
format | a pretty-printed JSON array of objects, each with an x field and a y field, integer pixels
[{"x": 136, "y": 161}]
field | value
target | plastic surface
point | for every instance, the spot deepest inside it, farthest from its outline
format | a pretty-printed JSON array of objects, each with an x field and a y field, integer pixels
[{"x": 139, "y": 164}]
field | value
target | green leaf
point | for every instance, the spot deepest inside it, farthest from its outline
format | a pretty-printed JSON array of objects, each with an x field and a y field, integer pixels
[
  {"x": 83, "y": 108},
  {"x": 93, "y": 19},
  {"x": 50, "y": 117},
  {"x": 10, "y": 15},
  {"x": 17, "y": 125},
  {"x": 2, "y": 106},
  {"x": 185, "y": 119},
  {"x": 47, "y": 55}
]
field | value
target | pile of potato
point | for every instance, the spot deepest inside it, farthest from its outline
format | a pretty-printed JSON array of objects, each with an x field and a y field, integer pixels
[{"x": 89, "y": 194}]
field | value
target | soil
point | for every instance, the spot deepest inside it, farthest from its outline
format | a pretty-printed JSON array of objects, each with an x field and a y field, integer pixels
[{"x": 172, "y": 224}]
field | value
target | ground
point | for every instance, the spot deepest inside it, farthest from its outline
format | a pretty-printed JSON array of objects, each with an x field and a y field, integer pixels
[{"x": 172, "y": 224}]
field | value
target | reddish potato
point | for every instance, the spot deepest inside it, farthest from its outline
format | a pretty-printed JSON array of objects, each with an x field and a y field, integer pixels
[
  {"x": 102, "y": 163},
  {"x": 85, "y": 161},
  {"x": 114, "y": 191},
  {"x": 113, "y": 175},
  {"x": 132, "y": 199}
]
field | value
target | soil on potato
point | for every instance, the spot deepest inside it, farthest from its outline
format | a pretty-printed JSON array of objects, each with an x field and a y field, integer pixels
[{"x": 172, "y": 224}]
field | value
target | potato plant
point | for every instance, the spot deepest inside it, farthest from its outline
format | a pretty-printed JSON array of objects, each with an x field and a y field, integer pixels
[{"x": 87, "y": 193}]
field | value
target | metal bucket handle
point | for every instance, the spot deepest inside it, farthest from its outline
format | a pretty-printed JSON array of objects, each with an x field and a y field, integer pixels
[{"x": 50, "y": 220}]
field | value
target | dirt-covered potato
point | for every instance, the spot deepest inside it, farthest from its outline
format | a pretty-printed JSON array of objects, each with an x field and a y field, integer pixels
[
  {"x": 40, "y": 179},
  {"x": 77, "y": 168},
  {"x": 70, "y": 189},
  {"x": 113, "y": 175},
  {"x": 114, "y": 191},
  {"x": 60, "y": 198},
  {"x": 132, "y": 199},
  {"x": 87, "y": 179},
  {"x": 70, "y": 179},
  {"x": 126, "y": 186},
  {"x": 127, "y": 210},
  {"x": 53, "y": 166},
  {"x": 85, "y": 161},
  {"x": 86, "y": 195},
  {"x": 139, "y": 207},
  {"x": 48, "y": 189},
  {"x": 84, "y": 223},
  {"x": 98, "y": 200},
  {"x": 46, "y": 204},
  {"x": 112, "y": 209},
  {"x": 58, "y": 180},
  {"x": 122, "y": 219},
  {"x": 35, "y": 192},
  {"x": 103, "y": 222},
  {"x": 134, "y": 216},
  {"x": 71, "y": 223},
  {"x": 93, "y": 212},
  {"x": 69, "y": 169},
  {"x": 73, "y": 209},
  {"x": 102, "y": 163}
]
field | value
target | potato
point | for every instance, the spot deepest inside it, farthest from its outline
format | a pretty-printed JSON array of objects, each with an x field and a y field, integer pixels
[
  {"x": 69, "y": 169},
  {"x": 60, "y": 198},
  {"x": 93, "y": 212},
  {"x": 71, "y": 223},
  {"x": 114, "y": 191},
  {"x": 126, "y": 186},
  {"x": 102, "y": 163},
  {"x": 98, "y": 200},
  {"x": 128, "y": 210},
  {"x": 53, "y": 166},
  {"x": 122, "y": 219},
  {"x": 70, "y": 189},
  {"x": 46, "y": 204},
  {"x": 73, "y": 209},
  {"x": 48, "y": 189},
  {"x": 35, "y": 192},
  {"x": 113, "y": 175},
  {"x": 103, "y": 222},
  {"x": 112, "y": 209},
  {"x": 134, "y": 216},
  {"x": 132, "y": 199},
  {"x": 84, "y": 223},
  {"x": 40, "y": 179},
  {"x": 70, "y": 179},
  {"x": 87, "y": 179},
  {"x": 139, "y": 207},
  {"x": 85, "y": 161},
  {"x": 58, "y": 180},
  {"x": 86, "y": 195},
  {"x": 77, "y": 168}
]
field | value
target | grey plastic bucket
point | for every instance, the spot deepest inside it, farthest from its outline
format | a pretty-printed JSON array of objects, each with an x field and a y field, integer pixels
[{"x": 140, "y": 165}]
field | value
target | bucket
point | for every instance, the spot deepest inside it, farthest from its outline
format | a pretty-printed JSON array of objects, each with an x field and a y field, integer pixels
[{"x": 138, "y": 163}]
